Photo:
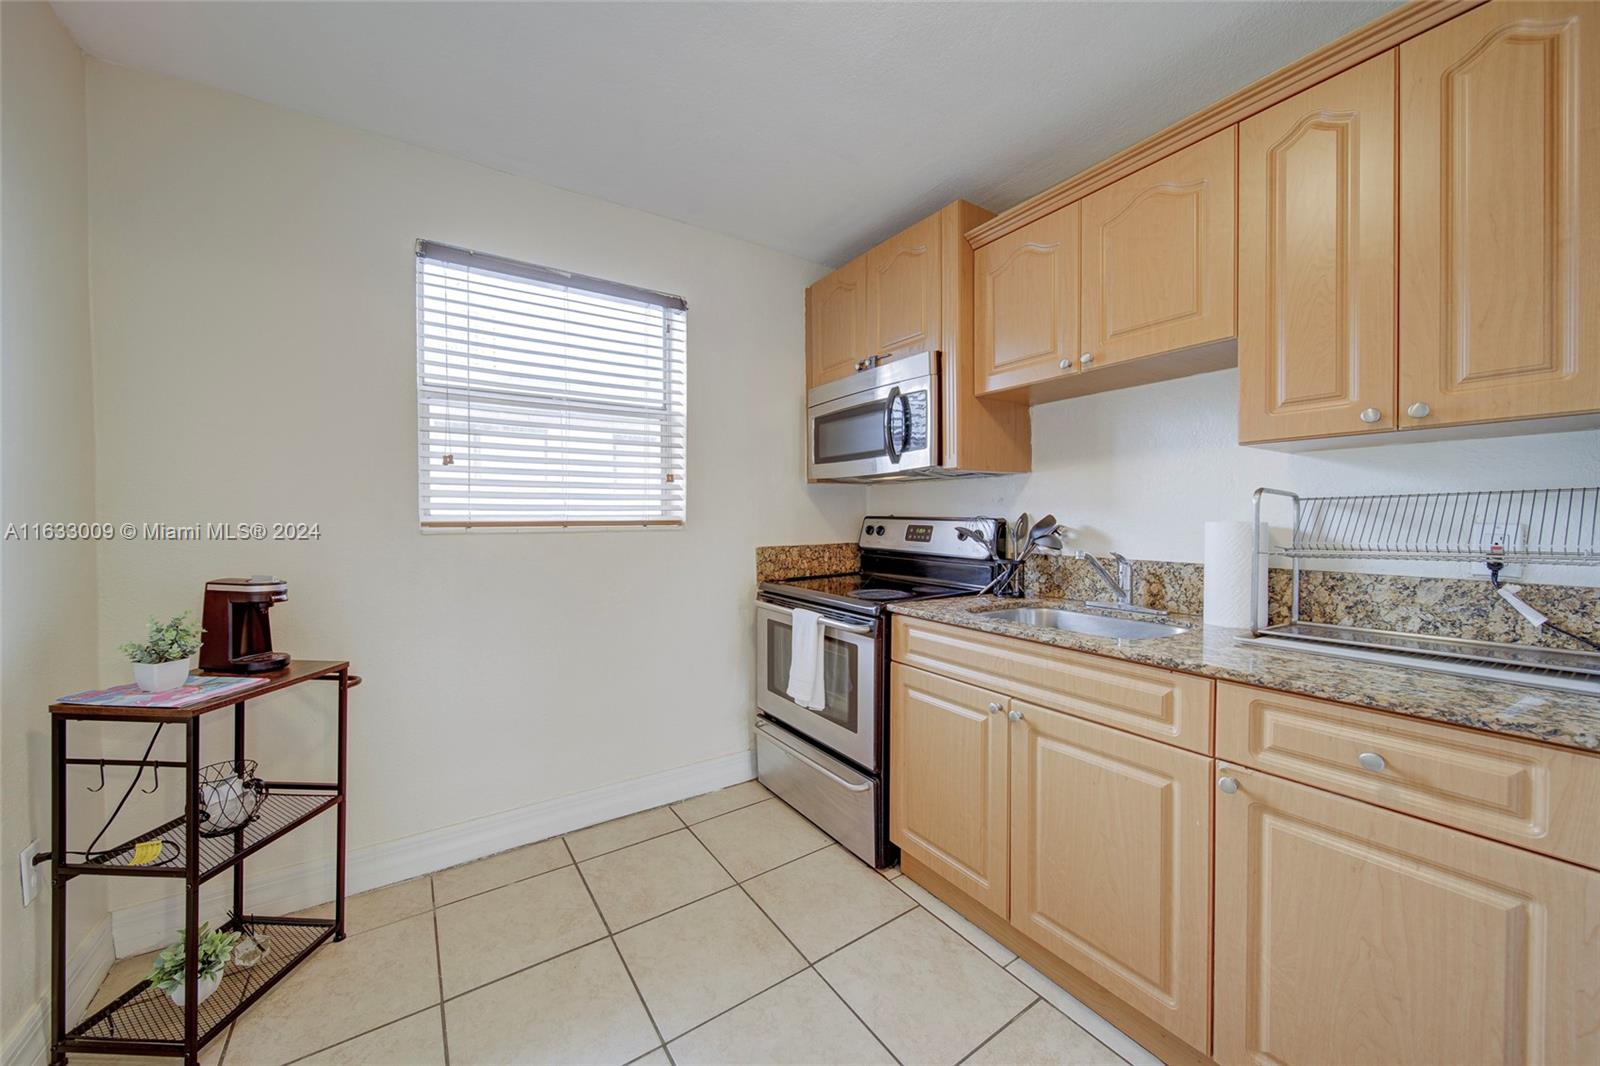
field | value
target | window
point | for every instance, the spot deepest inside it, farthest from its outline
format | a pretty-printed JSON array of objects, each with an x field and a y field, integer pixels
[{"x": 545, "y": 398}]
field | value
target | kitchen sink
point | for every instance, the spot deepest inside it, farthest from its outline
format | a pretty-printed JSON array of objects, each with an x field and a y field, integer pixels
[{"x": 1094, "y": 625}]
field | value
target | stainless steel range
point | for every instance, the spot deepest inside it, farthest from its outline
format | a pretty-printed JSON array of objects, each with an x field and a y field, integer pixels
[{"x": 831, "y": 763}]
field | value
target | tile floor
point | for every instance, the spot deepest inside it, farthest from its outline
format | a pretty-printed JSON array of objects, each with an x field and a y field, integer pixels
[{"x": 723, "y": 929}]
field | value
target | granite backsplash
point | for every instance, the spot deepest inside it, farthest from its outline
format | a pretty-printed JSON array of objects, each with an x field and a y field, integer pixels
[{"x": 782, "y": 562}]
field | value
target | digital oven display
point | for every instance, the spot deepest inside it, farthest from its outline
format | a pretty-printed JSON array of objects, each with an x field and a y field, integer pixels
[{"x": 919, "y": 534}]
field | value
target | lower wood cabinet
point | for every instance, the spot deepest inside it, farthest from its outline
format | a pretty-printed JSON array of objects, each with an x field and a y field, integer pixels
[
  {"x": 947, "y": 781},
  {"x": 1350, "y": 934},
  {"x": 1111, "y": 861}
]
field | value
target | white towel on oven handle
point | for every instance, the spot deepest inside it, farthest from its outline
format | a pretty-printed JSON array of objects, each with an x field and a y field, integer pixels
[{"x": 807, "y": 675}]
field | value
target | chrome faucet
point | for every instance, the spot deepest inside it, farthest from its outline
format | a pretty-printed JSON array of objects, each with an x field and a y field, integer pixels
[{"x": 1121, "y": 586}]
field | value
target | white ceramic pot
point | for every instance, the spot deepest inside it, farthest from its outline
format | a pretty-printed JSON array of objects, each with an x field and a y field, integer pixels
[
  {"x": 161, "y": 677},
  {"x": 204, "y": 986}
]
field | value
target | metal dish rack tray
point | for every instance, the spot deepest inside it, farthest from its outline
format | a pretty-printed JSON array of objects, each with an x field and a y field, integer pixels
[{"x": 1509, "y": 526}]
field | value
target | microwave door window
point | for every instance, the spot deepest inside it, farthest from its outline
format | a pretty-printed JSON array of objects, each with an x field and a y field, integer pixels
[
  {"x": 839, "y": 673},
  {"x": 854, "y": 433}
]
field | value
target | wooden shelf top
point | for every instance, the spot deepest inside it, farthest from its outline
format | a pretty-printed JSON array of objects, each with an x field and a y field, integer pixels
[{"x": 297, "y": 671}]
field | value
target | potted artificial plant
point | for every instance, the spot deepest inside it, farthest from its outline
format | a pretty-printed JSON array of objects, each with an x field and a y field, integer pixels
[
  {"x": 161, "y": 661},
  {"x": 215, "y": 947}
]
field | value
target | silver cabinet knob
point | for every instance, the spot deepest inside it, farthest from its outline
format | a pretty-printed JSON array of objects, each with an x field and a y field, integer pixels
[
  {"x": 1371, "y": 414},
  {"x": 1230, "y": 785},
  {"x": 1086, "y": 358},
  {"x": 1065, "y": 364},
  {"x": 1419, "y": 410},
  {"x": 994, "y": 708},
  {"x": 1371, "y": 760},
  {"x": 1015, "y": 716}
]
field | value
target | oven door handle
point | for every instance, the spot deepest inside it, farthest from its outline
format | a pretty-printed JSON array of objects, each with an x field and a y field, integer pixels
[
  {"x": 771, "y": 735},
  {"x": 859, "y": 630}
]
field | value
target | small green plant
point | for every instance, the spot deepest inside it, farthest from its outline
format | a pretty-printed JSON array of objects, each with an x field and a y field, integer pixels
[
  {"x": 215, "y": 947},
  {"x": 177, "y": 638}
]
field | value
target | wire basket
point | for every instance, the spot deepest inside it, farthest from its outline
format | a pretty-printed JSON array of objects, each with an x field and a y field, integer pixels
[{"x": 230, "y": 797}]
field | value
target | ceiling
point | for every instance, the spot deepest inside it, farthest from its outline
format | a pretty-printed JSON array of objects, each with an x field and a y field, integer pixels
[{"x": 813, "y": 128}]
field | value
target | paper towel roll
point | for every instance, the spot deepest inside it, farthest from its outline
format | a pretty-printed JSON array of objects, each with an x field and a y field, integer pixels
[{"x": 1230, "y": 558}]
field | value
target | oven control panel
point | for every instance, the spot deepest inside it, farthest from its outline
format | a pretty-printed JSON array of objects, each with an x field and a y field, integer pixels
[{"x": 950, "y": 537}]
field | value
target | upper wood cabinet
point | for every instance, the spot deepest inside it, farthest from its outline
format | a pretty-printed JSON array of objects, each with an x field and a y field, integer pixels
[
  {"x": 948, "y": 802},
  {"x": 1158, "y": 256},
  {"x": 904, "y": 301},
  {"x": 1111, "y": 861},
  {"x": 836, "y": 323},
  {"x": 1317, "y": 260},
  {"x": 1026, "y": 304},
  {"x": 1348, "y": 933},
  {"x": 1499, "y": 231}
]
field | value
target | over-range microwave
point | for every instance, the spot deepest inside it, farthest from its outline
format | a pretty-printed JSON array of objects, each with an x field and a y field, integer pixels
[{"x": 880, "y": 424}]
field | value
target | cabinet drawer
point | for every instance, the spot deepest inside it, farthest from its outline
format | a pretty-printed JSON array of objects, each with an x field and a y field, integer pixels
[
  {"x": 1160, "y": 704},
  {"x": 1523, "y": 793}
]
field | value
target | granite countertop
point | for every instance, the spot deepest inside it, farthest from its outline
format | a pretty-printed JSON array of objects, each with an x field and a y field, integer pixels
[{"x": 1566, "y": 718}]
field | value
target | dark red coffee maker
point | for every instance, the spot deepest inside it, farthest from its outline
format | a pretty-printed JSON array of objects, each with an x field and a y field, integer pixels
[{"x": 238, "y": 637}]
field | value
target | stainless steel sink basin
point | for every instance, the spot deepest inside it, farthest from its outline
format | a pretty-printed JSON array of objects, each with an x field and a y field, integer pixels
[{"x": 1094, "y": 625}]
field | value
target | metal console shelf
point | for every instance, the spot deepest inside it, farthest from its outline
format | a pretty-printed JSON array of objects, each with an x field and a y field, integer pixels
[{"x": 142, "y": 1020}]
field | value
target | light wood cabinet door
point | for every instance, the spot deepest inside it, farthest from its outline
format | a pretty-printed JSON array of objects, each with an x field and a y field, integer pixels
[
  {"x": 904, "y": 276},
  {"x": 836, "y": 323},
  {"x": 1317, "y": 270},
  {"x": 1158, "y": 256},
  {"x": 1111, "y": 861},
  {"x": 947, "y": 781},
  {"x": 1347, "y": 933},
  {"x": 1499, "y": 231},
  {"x": 1026, "y": 328}
]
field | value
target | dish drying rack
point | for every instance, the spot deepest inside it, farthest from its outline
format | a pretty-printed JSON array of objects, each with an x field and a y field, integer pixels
[{"x": 1509, "y": 527}]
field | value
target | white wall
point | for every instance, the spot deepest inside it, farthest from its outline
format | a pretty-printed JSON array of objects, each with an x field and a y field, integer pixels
[
  {"x": 253, "y": 309},
  {"x": 47, "y": 590},
  {"x": 1141, "y": 470}
]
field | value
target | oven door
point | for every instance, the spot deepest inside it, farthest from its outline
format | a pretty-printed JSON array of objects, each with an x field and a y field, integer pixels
[
  {"x": 847, "y": 724},
  {"x": 881, "y": 424}
]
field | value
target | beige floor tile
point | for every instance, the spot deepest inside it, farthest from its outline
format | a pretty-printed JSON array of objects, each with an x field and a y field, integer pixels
[
  {"x": 414, "y": 1041},
  {"x": 701, "y": 960},
  {"x": 826, "y": 900},
  {"x": 1077, "y": 1011},
  {"x": 579, "y": 1008},
  {"x": 985, "y": 943},
  {"x": 658, "y": 1057},
  {"x": 511, "y": 928},
  {"x": 651, "y": 878},
  {"x": 890, "y": 873},
  {"x": 712, "y": 804},
  {"x": 801, "y": 1021},
  {"x": 1043, "y": 1036},
  {"x": 620, "y": 832},
  {"x": 380, "y": 906},
  {"x": 123, "y": 975},
  {"x": 459, "y": 882},
  {"x": 373, "y": 979},
  {"x": 754, "y": 839},
  {"x": 927, "y": 993},
  {"x": 210, "y": 1055}
]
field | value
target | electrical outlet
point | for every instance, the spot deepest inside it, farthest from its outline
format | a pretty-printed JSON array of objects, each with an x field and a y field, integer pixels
[
  {"x": 1512, "y": 536},
  {"x": 30, "y": 872}
]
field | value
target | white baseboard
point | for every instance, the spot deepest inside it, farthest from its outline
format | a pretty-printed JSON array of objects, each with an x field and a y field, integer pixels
[
  {"x": 147, "y": 926},
  {"x": 28, "y": 1044}
]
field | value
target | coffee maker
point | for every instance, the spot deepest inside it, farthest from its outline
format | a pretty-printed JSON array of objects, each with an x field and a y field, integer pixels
[{"x": 238, "y": 637}]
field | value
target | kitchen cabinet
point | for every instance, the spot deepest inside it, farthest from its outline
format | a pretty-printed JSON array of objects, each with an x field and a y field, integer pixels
[
  {"x": 1026, "y": 305},
  {"x": 1317, "y": 260},
  {"x": 1111, "y": 861},
  {"x": 836, "y": 323},
  {"x": 1158, "y": 256},
  {"x": 903, "y": 293},
  {"x": 1349, "y": 933},
  {"x": 1499, "y": 237},
  {"x": 948, "y": 798}
]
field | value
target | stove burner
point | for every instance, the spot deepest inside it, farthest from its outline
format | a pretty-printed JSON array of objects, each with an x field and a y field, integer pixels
[{"x": 882, "y": 594}]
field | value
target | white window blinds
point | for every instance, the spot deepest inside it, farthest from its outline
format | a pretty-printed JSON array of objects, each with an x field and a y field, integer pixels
[{"x": 545, "y": 398}]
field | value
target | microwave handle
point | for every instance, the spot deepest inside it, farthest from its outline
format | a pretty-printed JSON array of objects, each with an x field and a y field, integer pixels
[
  {"x": 863, "y": 630},
  {"x": 896, "y": 397}
]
